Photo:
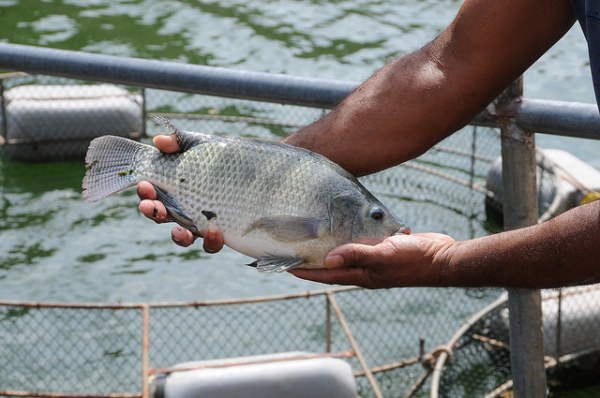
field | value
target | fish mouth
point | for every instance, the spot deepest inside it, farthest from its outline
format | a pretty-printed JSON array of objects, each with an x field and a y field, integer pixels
[{"x": 404, "y": 230}]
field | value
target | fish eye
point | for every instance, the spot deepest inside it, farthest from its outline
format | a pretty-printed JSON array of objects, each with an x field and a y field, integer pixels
[{"x": 376, "y": 213}]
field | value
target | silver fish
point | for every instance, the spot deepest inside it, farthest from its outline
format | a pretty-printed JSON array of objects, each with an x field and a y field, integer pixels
[{"x": 285, "y": 206}]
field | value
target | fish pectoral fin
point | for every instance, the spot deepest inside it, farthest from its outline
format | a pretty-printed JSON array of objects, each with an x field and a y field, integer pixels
[
  {"x": 289, "y": 228},
  {"x": 276, "y": 264},
  {"x": 175, "y": 211}
]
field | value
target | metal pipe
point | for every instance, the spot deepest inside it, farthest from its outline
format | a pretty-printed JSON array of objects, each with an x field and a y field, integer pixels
[
  {"x": 327, "y": 326},
  {"x": 520, "y": 210},
  {"x": 208, "y": 303},
  {"x": 4, "y": 134},
  {"x": 144, "y": 112},
  {"x": 572, "y": 119},
  {"x": 542, "y": 116},
  {"x": 559, "y": 328},
  {"x": 145, "y": 350},
  {"x": 569, "y": 119},
  {"x": 176, "y": 76}
]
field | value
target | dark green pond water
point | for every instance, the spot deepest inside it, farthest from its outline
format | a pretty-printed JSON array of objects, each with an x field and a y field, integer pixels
[{"x": 55, "y": 247}]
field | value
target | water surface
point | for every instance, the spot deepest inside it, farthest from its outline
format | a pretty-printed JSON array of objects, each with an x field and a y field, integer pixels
[{"x": 55, "y": 247}]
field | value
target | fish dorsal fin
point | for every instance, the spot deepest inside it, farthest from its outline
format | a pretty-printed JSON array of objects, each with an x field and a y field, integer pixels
[
  {"x": 290, "y": 228},
  {"x": 166, "y": 123},
  {"x": 185, "y": 139}
]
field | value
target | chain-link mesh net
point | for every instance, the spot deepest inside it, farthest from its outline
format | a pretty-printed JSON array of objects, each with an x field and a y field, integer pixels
[
  {"x": 480, "y": 362},
  {"x": 222, "y": 331},
  {"x": 70, "y": 350},
  {"x": 98, "y": 351}
]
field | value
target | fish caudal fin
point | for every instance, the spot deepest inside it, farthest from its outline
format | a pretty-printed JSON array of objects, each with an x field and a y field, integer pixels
[{"x": 111, "y": 166}]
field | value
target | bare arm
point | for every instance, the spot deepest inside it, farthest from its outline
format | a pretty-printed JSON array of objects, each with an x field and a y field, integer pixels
[
  {"x": 419, "y": 99},
  {"x": 563, "y": 251}
]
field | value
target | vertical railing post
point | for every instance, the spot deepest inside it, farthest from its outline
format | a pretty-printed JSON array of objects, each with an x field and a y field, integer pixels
[
  {"x": 3, "y": 112},
  {"x": 145, "y": 350},
  {"x": 520, "y": 210},
  {"x": 327, "y": 325}
]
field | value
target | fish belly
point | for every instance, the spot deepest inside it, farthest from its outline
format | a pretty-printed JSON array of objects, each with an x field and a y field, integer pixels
[{"x": 258, "y": 245}]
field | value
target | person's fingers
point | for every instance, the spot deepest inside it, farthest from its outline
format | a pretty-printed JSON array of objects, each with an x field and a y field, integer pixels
[
  {"x": 435, "y": 235},
  {"x": 349, "y": 255},
  {"x": 213, "y": 239},
  {"x": 166, "y": 143},
  {"x": 345, "y": 276},
  {"x": 182, "y": 236},
  {"x": 357, "y": 255},
  {"x": 145, "y": 190},
  {"x": 154, "y": 210}
]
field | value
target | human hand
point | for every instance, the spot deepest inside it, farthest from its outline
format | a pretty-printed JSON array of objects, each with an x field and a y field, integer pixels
[
  {"x": 156, "y": 211},
  {"x": 400, "y": 260}
]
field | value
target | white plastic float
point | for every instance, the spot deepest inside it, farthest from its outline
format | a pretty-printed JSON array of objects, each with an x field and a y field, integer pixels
[
  {"x": 571, "y": 319},
  {"x": 47, "y": 122},
  {"x": 290, "y": 375},
  {"x": 564, "y": 182}
]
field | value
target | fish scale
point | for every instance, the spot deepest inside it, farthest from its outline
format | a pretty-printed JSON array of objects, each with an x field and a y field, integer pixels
[{"x": 285, "y": 206}]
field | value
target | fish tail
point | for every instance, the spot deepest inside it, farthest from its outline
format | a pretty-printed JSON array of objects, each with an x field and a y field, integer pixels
[{"x": 111, "y": 164}]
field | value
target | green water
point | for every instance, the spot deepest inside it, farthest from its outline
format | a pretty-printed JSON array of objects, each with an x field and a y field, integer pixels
[{"x": 54, "y": 247}]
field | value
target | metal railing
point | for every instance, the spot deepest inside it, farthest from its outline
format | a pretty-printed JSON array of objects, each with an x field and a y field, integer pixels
[
  {"x": 542, "y": 116},
  {"x": 518, "y": 119},
  {"x": 147, "y": 320}
]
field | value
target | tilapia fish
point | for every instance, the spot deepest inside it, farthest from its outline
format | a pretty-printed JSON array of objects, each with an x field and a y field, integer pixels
[{"x": 285, "y": 206}]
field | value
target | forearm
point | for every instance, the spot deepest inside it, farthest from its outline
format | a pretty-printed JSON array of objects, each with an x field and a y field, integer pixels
[
  {"x": 393, "y": 106},
  {"x": 563, "y": 251},
  {"x": 419, "y": 99}
]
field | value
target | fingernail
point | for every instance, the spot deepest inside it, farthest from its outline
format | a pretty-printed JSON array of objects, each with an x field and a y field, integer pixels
[
  {"x": 211, "y": 231},
  {"x": 179, "y": 229},
  {"x": 334, "y": 261}
]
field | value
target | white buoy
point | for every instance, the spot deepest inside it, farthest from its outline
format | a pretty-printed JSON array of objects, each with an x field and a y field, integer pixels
[
  {"x": 50, "y": 122},
  {"x": 290, "y": 375}
]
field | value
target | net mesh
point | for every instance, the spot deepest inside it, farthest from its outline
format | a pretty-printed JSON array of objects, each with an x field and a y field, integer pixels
[
  {"x": 70, "y": 350},
  {"x": 99, "y": 350},
  {"x": 480, "y": 363}
]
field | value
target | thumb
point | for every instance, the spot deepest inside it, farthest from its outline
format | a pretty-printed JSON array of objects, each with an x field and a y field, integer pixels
[
  {"x": 166, "y": 143},
  {"x": 348, "y": 255}
]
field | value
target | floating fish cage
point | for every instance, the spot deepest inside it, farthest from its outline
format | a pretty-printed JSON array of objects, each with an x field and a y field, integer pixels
[
  {"x": 382, "y": 343},
  {"x": 480, "y": 349}
]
